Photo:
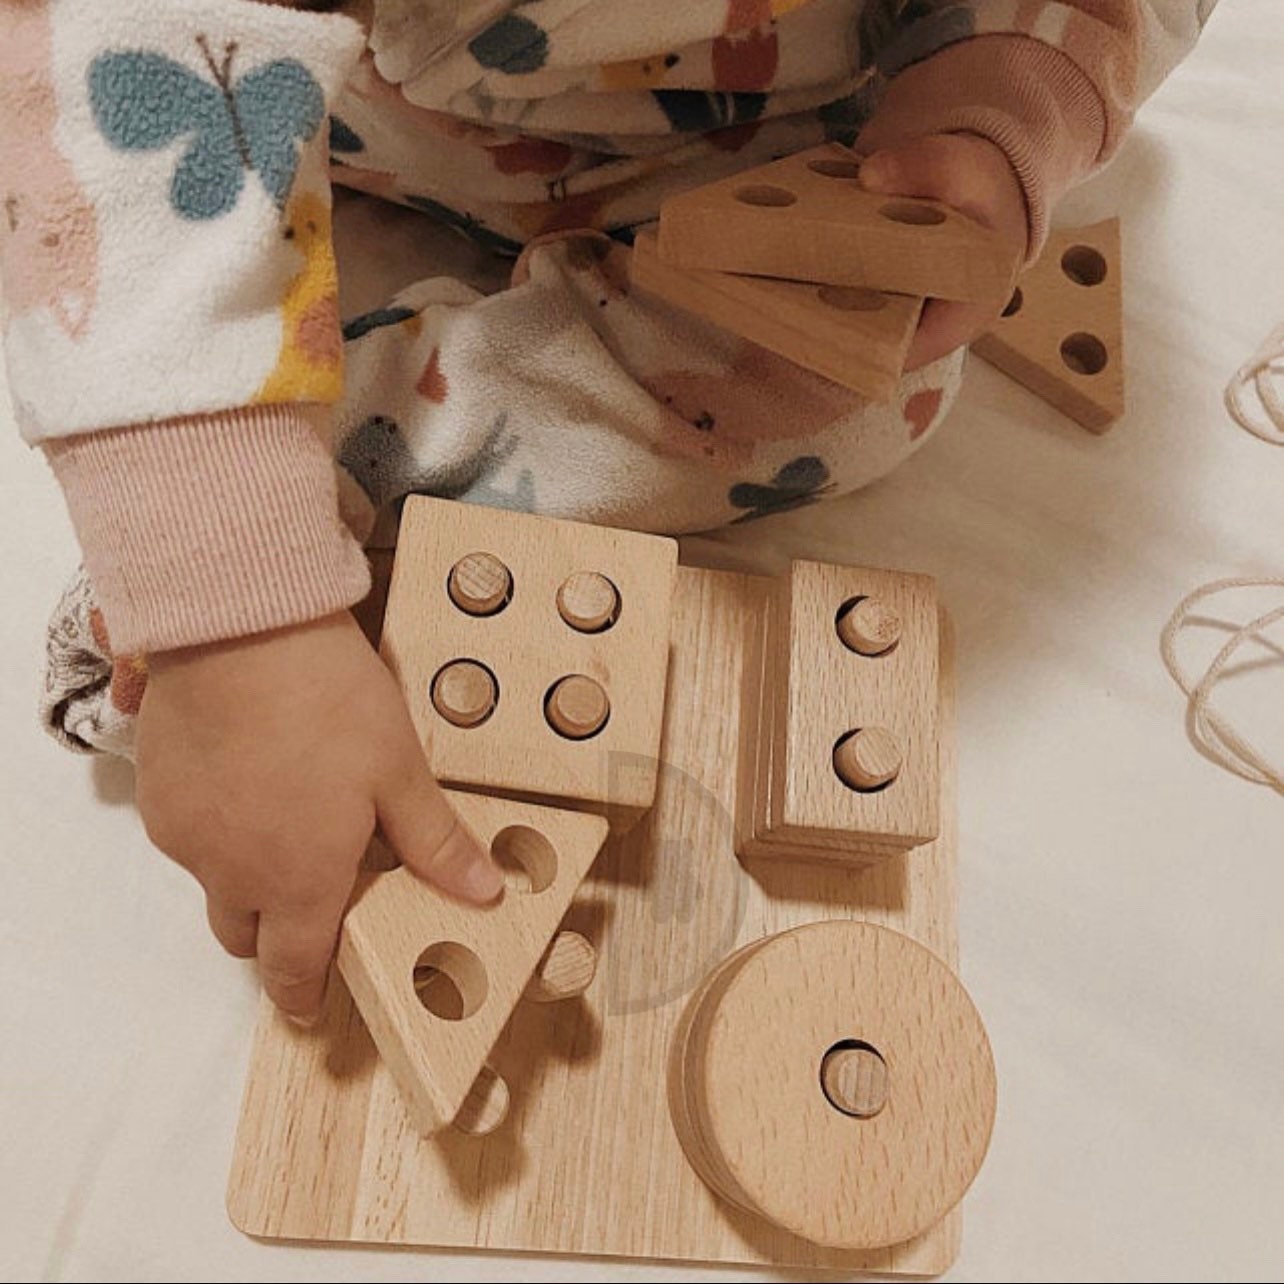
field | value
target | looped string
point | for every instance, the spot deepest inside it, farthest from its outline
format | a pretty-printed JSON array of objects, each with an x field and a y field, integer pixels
[
  {"x": 1213, "y": 735},
  {"x": 1263, "y": 374}
]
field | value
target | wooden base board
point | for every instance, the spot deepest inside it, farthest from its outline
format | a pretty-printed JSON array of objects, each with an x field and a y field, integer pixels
[{"x": 588, "y": 1161}]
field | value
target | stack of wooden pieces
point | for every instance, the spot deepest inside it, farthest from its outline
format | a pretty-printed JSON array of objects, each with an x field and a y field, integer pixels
[{"x": 797, "y": 257}]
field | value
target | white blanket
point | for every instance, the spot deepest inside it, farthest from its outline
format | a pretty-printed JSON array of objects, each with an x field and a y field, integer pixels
[{"x": 1120, "y": 895}]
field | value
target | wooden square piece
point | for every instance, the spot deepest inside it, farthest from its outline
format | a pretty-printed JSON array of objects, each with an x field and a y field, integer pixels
[{"x": 533, "y": 652}]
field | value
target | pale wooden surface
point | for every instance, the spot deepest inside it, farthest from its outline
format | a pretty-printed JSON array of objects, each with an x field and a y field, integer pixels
[
  {"x": 757, "y": 1123},
  {"x": 806, "y": 218},
  {"x": 567, "y": 969},
  {"x": 589, "y": 1133},
  {"x": 870, "y": 626},
  {"x": 529, "y": 647},
  {"x": 1069, "y": 323},
  {"x": 396, "y": 917},
  {"x": 857, "y": 338}
]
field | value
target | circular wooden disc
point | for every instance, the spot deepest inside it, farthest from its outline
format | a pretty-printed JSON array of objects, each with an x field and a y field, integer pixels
[
  {"x": 577, "y": 707},
  {"x": 480, "y": 584},
  {"x": 567, "y": 969},
  {"x": 753, "y": 1075},
  {"x": 869, "y": 626},
  {"x": 464, "y": 693},
  {"x": 588, "y": 602},
  {"x": 486, "y": 1105},
  {"x": 868, "y": 759}
]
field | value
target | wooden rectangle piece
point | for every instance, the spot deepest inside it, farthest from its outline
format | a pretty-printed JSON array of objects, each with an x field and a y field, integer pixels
[
  {"x": 806, "y": 218},
  {"x": 436, "y": 980},
  {"x": 588, "y": 1160},
  {"x": 846, "y": 764},
  {"x": 856, "y": 337},
  {"x": 533, "y": 652}
]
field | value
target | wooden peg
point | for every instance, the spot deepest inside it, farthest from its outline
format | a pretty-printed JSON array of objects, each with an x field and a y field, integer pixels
[
  {"x": 1061, "y": 334},
  {"x": 588, "y": 602},
  {"x": 566, "y": 970},
  {"x": 577, "y": 707},
  {"x": 854, "y": 1078},
  {"x": 486, "y": 1105},
  {"x": 869, "y": 626},
  {"x": 806, "y": 218},
  {"x": 859, "y": 338},
  {"x": 465, "y": 693},
  {"x": 868, "y": 759},
  {"x": 480, "y": 584}
]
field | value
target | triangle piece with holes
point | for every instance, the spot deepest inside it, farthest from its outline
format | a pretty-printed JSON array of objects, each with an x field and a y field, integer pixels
[
  {"x": 1062, "y": 332},
  {"x": 854, "y": 336},
  {"x": 435, "y": 979}
]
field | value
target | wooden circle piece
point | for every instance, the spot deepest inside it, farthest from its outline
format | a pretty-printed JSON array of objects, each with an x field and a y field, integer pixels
[
  {"x": 486, "y": 1105},
  {"x": 854, "y": 1078},
  {"x": 870, "y": 627},
  {"x": 869, "y": 758},
  {"x": 775, "y": 1144},
  {"x": 577, "y": 707},
  {"x": 464, "y": 693},
  {"x": 480, "y": 584},
  {"x": 588, "y": 602},
  {"x": 567, "y": 969}
]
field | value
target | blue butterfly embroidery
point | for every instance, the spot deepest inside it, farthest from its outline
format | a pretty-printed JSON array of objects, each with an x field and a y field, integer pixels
[{"x": 143, "y": 101}]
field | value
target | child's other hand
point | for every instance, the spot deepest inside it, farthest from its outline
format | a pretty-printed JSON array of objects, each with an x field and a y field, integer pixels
[
  {"x": 973, "y": 175},
  {"x": 263, "y": 767}
]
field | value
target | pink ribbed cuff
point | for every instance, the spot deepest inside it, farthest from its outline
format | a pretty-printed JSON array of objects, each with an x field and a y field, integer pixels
[
  {"x": 1026, "y": 97},
  {"x": 210, "y": 527}
]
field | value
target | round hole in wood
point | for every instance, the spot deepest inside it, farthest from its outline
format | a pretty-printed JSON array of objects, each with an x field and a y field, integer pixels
[
  {"x": 765, "y": 194},
  {"x": 1084, "y": 353},
  {"x": 853, "y": 1077},
  {"x": 480, "y": 584},
  {"x": 465, "y": 693},
  {"x": 868, "y": 626},
  {"x": 528, "y": 859},
  {"x": 835, "y": 167},
  {"x": 1083, "y": 265},
  {"x": 913, "y": 212},
  {"x": 450, "y": 981},
  {"x": 588, "y": 602},
  {"x": 867, "y": 759},
  {"x": 1014, "y": 303},
  {"x": 849, "y": 298},
  {"x": 576, "y": 707}
]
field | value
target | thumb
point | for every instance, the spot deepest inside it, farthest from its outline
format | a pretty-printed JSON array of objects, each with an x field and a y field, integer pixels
[
  {"x": 426, "y": 832},
  {"x": 912, "y": 169}
]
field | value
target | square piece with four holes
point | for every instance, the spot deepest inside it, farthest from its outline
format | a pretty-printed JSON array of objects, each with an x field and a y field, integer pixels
[{"x": 533, "y": 652}]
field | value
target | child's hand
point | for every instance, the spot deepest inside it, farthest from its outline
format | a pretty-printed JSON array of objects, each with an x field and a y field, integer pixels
[
  {"x": 263, "y": 767},
  {"x": 973, "y": 175}
]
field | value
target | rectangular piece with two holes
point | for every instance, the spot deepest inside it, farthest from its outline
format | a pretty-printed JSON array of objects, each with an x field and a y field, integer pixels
[
  {"x": 436, "y": 980},
  {"x": 806, "y": 218},
  {"x": 856, "y": 337},
  {"x": 841, "y": 707},
  {"x": 533, "y": 652},
  {"x": 1061, "y": 334}
]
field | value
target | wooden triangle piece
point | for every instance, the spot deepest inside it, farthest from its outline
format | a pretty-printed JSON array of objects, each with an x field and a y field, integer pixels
[
  {"x": 435, "y": 979},
  {"x": 807, "y": 218},
  {"x": 1061, "y": 335},
  {"x": 856, "y": 337}
]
